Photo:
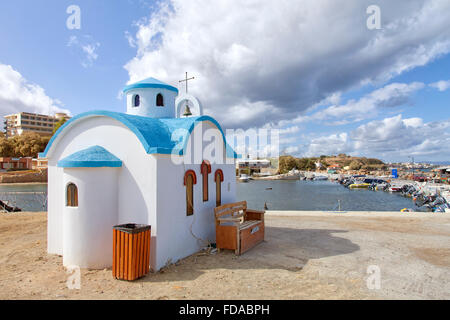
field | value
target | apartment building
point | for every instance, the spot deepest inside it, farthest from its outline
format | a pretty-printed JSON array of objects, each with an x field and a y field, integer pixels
[{"x": 18, "y": 123}]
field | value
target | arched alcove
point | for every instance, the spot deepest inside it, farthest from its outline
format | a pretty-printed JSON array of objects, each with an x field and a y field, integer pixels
[{"x": 195, "y": 105}]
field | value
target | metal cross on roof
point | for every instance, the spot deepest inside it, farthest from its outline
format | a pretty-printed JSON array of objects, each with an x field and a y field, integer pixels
[{"x": 186, "y": 80}]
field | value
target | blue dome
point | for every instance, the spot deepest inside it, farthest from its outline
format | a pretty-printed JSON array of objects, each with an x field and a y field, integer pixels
[
  {"x": 155, "y": 135},
  {"x": 92, "y": 157},
  {"x": 149, "y": 83}
]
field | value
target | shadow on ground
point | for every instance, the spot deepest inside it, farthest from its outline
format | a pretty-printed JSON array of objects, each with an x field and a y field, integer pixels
[{"x": 284, "y": 248}]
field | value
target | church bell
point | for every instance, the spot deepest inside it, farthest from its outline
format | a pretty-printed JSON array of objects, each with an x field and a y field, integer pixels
[{"x": 187, "y": 111}]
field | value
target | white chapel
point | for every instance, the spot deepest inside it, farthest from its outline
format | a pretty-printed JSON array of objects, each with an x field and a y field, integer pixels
[{"x": 160, "y": 163}]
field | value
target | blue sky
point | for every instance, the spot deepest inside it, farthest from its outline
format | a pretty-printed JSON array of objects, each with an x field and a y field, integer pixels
[
  {"x": 314, "y": 71},
  {"x": 34, "y": 39}
]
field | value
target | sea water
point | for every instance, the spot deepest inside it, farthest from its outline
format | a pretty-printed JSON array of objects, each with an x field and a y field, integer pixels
[
  {"x": 26, "y": 196},
  {"x": 317, "y": 196},
  {"x": 278, "y": 194}
]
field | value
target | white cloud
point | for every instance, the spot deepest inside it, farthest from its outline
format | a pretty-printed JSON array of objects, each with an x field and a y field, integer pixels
[
  {"x": 413, "y": 122},
  {"x": 289, "y": 130},
  {"x": 86, "y": 47},
  {"x": 392, "y": 95},
  {"x": 283, "y": 57},
  {"x": 291, "y": 150},
  {"x": 441, "y": 85},
  {"x": 130, "y": 39},
  {"x": 328, "y": 145},
  {"x": 389, "y": 138},
  {"x": 18, "y": 94}
]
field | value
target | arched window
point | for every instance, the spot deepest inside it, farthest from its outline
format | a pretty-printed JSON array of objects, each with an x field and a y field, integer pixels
[
  {"x": 189, "y": 180},
  {"x": 159, "y": 100},
  {"x": 137, "y": 101},
  {"x": 72, "y": 195},
  {"x": 205, "y": 169},
  {"x": 218, "y": 178}
]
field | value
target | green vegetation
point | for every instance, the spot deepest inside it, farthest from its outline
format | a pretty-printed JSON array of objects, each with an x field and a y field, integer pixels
[
  {"x": 28, "y": 144},
  {"x": 59, "y": 124},
  {"x": 287, "y": 163}
]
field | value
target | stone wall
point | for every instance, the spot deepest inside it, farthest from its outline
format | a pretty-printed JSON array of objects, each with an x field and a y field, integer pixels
[{"x": 39, "y": 175}]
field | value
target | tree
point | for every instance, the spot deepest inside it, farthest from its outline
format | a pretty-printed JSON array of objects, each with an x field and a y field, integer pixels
[
  {"x": 310, "y": 164},
  {"x": 355, "y": 165},
  {"x": 28, "y": 144},
  {"x": 6, "y": 149},
  {"x": 59, "y": 124},
  {"x": 369, "y": 167},
  {"x": 374, "y": 161},
  {"x": 286, "y": 164}
]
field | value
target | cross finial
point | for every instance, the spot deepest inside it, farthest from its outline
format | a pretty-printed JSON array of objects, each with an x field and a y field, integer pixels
[{"x": 186, "y": 80}]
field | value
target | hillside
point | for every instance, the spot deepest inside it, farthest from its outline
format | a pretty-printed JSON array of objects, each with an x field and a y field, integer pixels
[{"x": 287, "y": 163}]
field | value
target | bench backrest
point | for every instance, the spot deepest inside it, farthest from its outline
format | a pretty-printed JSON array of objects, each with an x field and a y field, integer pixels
[{"x": 236, "y": 209}]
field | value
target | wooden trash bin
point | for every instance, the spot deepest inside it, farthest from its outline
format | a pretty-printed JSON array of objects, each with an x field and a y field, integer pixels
[{"x": 131, "y": 251}]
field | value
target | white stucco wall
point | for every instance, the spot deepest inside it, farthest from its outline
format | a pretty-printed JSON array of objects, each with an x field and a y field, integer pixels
[
  {"x": 149, "y": 190},
  {"x": 55, "y": 205},
  {"x": 87, "y": 228},
  {"x": 147, "y": 107},
  {"x": 175, "y": 240},
  {"x": 136, "y": 200}
]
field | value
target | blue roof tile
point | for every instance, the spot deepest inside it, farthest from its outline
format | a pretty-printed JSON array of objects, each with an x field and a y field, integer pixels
[
  {"x": 157, "y": 135},
  {"x": 92, "y": 157},
  {"x": 149, "y": 83}
]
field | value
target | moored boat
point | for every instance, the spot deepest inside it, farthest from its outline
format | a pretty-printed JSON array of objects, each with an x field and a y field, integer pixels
[
  {"x": 244, "y": 178},
  {"x": 362, "y": 185},
  {"x": 395, "y": 189}
]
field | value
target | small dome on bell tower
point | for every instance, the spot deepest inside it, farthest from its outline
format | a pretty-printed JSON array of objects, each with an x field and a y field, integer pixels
[{"x": 151, "y": 98}]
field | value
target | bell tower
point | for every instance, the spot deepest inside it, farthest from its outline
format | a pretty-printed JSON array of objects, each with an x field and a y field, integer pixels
[
  {"x": 151, "y": 98},
  {"x": 185, "y": 102}
]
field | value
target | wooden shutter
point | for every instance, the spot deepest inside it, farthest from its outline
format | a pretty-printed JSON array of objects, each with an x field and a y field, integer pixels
[
  {"x": 218, "y": 178},
  {"x": 189, "y": 180},
  {"x": 218, "y": 190},
  {"x": 205, "y": 169},
  {"x": 189, "y": 195},
  {"x": 72, "y": 195}
]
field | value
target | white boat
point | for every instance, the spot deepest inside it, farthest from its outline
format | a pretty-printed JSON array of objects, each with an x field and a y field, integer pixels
[
  {"x": 395, "y": 188},
  {"x": 244, "y": 178},
  {"x": 320, "y": 177}
]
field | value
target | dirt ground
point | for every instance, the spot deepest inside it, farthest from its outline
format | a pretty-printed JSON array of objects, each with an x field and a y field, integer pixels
[{"x": 305, "y": 256}]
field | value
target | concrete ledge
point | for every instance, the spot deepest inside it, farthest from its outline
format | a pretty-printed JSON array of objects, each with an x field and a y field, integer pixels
[{"x": 354, "y": 214}]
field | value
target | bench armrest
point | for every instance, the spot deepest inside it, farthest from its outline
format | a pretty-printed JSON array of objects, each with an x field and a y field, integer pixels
[
  {"x": 255, "y": 211},
  {"x": 254, "y": 215},
  {"x": 229, "y": 220}
]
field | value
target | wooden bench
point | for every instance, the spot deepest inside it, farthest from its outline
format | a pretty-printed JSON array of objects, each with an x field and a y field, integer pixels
[{"x": 238, "y": 228}]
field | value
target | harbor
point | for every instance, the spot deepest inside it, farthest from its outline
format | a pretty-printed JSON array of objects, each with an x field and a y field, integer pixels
[
  {"x": 330, "y": 194},
  {"x": 425, "y": 186},
  {"x": 333, "y": 192},
  {"x": 316, "y": 196}
]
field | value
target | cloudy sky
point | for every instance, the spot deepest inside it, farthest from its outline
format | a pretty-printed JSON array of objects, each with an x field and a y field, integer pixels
[{"x": 311, "y": 68}]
